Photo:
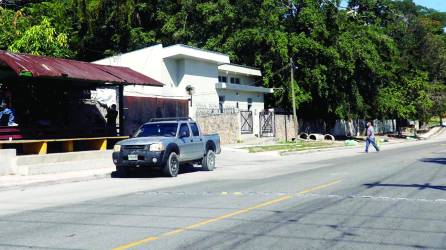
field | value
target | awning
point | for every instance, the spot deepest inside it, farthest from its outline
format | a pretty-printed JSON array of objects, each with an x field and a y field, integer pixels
[{"x": 49, "y": 67}]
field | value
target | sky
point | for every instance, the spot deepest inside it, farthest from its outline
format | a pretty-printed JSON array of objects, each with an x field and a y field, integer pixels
[{"x": 433, "y": 4}]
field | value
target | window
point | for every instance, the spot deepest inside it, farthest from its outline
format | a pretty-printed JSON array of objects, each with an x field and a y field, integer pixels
[
  {"x": 157, "y": 129},
  {"x": 222, "y": 79},
  {"x": 194, "y": 129},
  {"x": 249, "y": 103},
  {"x": 184, "y": 130},
  {"x": 221, "y": 103},
  {"x": 235, "y": 80}
]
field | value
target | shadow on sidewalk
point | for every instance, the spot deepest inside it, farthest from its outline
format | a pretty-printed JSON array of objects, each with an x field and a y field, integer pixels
[{"x": 418, "y": 186}]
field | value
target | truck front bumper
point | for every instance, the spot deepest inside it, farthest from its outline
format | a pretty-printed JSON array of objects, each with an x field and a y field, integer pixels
[{"x": 144, "y": 159}]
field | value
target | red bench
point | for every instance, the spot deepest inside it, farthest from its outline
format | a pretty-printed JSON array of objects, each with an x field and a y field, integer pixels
[{"x": 10, "y": 132}]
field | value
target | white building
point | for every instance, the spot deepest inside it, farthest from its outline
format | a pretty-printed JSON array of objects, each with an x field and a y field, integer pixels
[{"x": 216, "y": 84}]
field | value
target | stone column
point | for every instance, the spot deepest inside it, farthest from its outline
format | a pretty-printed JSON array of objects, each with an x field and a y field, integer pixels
[{"x": 7, "y": 161}]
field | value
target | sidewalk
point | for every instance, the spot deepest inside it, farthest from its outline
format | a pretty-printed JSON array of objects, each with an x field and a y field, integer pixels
[{"x": 242, "y": 147}]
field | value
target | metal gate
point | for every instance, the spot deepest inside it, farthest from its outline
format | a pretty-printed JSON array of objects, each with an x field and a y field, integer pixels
[
  {"x": 246, "y": 122},
  {"x": 266, "y": 124}
]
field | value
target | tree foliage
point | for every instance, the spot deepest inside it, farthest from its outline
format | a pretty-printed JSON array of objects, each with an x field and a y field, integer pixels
[
  {"x": 374, "y": 59},
  {"x": 42, "y": 40}
]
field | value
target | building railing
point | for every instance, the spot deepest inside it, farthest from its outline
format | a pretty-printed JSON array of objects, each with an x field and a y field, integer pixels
[{"x": 215, "y": 110}]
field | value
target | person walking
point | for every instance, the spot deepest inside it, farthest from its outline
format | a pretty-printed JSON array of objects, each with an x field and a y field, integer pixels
[
  {"x": 370, "y": 138},
  {"x": 111, "y": 116}
]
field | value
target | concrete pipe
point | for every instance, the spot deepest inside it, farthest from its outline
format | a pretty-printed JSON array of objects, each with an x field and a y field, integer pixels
[
  {"x": 303, "y": 136},
  {"x": 316, "y": 137},
  {"x": 329, "y": 137}
]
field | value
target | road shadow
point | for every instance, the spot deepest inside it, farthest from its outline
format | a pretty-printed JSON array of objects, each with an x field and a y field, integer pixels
[
  {"x": 156, "y": 173},
  {"x": 418, "y": 186},
  {"x": 441, "y": 161}
]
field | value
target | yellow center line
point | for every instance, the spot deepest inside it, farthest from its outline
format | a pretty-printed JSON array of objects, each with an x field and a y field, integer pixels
[
  {"x": 222, "y": 217},
  {"x": 319, "y": 187},
  {"x": 136, "y": 243}
]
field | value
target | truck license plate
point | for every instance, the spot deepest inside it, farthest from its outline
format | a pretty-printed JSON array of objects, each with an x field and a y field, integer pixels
[{"x": 133, "y": 157}]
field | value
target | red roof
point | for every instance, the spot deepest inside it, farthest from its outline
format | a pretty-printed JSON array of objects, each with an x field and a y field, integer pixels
[{"x": 41, "y": 66}]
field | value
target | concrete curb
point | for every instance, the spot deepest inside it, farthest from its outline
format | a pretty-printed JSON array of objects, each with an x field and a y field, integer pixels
[{"x": 38, "y": 183}]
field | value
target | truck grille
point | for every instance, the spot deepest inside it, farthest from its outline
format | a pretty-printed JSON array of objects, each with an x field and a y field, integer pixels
[{"x": 134, "y": 147}]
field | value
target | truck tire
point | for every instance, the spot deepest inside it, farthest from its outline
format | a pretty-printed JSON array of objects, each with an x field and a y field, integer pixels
[
  {"x": 123, "y": 172},
  {"x": 208, "y": 161},
  {"x": 172, "y": 165}
]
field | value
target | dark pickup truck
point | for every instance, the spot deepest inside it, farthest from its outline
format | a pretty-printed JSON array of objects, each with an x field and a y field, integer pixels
[{"x": 165, "y": 144}]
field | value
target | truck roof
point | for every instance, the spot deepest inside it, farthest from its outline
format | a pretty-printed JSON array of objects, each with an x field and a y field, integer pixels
[{"x": 170, "y": 120}]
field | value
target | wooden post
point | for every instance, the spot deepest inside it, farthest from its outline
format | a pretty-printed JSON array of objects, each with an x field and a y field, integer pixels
[
  {"x": 293, "y": 98},
  {"x": 103, "y": 145},
  {"x": 40, "y": 148},
  {"x": 99, "y": 144},
  {"x": 68, "y": 146},
  {"x": 121, "y": 109}
]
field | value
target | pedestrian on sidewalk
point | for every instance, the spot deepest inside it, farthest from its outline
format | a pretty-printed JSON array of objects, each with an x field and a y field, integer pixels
[{"x": 370, "y": 138}]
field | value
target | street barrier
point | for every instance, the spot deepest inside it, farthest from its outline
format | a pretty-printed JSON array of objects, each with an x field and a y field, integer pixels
[
  {"x": 316, "y": 137},
  {"x": 303, "y": 136},
  {"x": 329, "y": 137}
]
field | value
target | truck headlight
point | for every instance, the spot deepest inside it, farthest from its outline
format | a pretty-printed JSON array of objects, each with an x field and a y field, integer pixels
[
  {"x": 156, "y": 147},
  {"x": 117, "y": 148}
]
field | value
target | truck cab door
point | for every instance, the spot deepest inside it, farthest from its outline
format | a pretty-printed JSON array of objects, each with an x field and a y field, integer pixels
[
  {"x": 198, "y": 141},
  {"x": 185, "y": 142}
]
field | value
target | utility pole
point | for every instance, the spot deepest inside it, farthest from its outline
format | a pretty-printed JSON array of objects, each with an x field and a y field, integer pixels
[{"x": 293, "y": 98}]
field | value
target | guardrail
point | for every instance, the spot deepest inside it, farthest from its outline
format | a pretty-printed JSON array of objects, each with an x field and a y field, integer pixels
[{"x": 40, "y": 146}]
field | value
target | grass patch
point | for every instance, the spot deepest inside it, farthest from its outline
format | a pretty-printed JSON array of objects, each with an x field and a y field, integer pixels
[
  {"x": 296, "y": 146},
  {"x": 434, "y": 121}
]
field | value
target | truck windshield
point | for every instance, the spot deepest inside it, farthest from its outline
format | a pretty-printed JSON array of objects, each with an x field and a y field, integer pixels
[{"x": 158, "y": 129}]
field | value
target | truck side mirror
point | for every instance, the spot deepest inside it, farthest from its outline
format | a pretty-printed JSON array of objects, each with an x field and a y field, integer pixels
[{"x": 183, "y": 134}]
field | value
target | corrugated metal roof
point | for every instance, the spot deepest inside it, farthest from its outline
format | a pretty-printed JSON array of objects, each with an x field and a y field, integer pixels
[{"x": 41, "y": 66}]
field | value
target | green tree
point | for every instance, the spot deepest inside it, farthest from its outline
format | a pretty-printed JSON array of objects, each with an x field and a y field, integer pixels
[
  {"x": 12, "y": 26},
  {"x": 42, "y": 39}
]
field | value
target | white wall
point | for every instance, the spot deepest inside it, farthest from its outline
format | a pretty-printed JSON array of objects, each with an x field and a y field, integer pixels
[
  {"x": 149, "y": 61},
  {"x": 232, "y": 97},
  {"x": 202, "y": 76},
  {"x": 177, "y": 72}
]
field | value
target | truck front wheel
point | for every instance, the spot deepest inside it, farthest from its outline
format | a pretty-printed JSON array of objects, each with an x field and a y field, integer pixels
[
  {"x": 172, "y": 165},
  {"x": 208, "y": 161},
  {"x": 123, "y": 172}
]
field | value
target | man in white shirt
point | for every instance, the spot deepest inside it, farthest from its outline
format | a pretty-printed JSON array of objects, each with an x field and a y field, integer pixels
[{"x": 370, "y": 138}]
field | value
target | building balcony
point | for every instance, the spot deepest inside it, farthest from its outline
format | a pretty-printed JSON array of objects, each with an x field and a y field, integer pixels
[{"x": 244, "y": 88}]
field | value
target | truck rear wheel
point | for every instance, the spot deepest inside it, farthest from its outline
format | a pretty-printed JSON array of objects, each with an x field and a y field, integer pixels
[
  {"x": 208, "y": 161},
  {"x": 172, "y": 166}
]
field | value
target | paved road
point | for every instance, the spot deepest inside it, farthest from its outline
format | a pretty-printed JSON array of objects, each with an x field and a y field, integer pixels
[{"x": 394, "y": 199}]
